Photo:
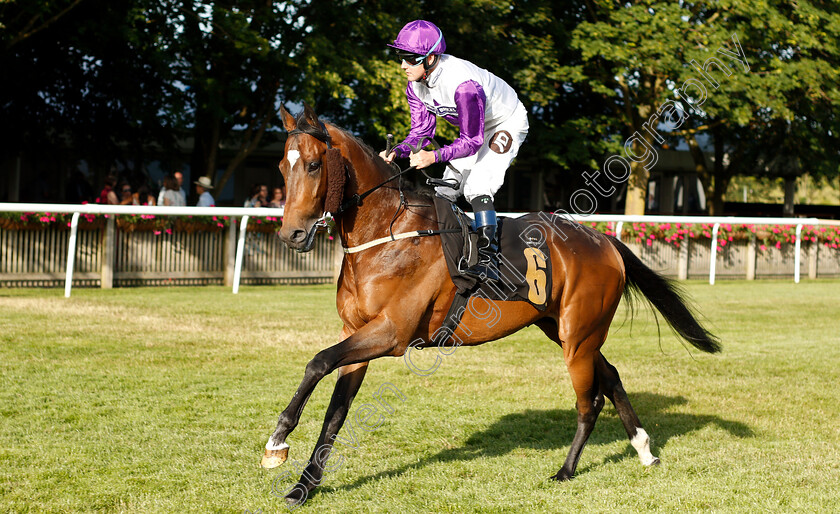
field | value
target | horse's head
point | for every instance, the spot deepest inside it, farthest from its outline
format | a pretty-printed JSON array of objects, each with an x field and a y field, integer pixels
[{"x": 314, "y": 174}]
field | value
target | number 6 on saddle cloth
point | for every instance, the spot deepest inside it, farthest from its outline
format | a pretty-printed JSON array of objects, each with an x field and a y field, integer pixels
[{"x": 524, "y": 257}]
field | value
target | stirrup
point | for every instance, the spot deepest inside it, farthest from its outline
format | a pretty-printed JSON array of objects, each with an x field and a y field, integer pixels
[{"x": 484, "y": 271}]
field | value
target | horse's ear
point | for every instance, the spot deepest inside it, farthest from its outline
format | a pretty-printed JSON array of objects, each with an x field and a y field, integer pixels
[
  {"x": 288, "y": 120},
  {"x": 310, "y": 116}
]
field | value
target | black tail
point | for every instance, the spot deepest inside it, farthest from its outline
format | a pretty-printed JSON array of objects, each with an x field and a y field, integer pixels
[{"x": 667, "y": 297}]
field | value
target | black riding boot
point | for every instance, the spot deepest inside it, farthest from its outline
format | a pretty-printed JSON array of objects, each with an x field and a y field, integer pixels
[{"x": 487, "y": 267}]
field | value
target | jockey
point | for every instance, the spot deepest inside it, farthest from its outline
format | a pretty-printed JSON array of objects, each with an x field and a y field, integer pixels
[{"x": 492, "y": 121}]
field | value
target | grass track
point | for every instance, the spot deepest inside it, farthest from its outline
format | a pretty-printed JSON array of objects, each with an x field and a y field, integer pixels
[{"x": 160, "y": 400}]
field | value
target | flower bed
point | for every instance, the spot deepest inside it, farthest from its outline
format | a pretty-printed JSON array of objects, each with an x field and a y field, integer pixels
[
  {"x": 125, "y": 222},
  {"x": 266, "y": 225},
  {"x": 44, "y": 220},
  {"x": 675, "y": 233}
]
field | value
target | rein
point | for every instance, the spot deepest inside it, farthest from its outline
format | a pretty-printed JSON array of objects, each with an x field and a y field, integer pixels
[{"x": 358, "y": 198}]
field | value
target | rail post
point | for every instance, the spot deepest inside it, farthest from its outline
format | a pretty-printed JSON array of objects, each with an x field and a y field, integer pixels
[
  {"x": 796, "y": 258},
  {"x": 713, "y": 256},
  {"x": 240, "y": 251},
  {"x": 230, "y": 253},
  {"x": 109, "y": 249},
  {"x": 71, "y": 254}
]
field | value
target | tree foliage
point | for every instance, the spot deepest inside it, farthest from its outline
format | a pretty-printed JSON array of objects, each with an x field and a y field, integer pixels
[
  {"x": 112, "y": 80},
  {"x": 638, "y": 56}
]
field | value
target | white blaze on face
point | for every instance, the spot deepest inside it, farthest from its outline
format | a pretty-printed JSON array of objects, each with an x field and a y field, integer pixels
[
  {"x": 292, "y": 156},
  {"x": 641, "y": 442}
]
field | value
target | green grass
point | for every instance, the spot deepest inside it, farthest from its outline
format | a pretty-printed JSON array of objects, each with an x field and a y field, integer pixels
[{"x": 161, "y": 399}]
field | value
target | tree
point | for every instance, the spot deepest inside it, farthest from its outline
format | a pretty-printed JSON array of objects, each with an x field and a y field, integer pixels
[
  {"x": 87, "y": 81},
  {"x": 779, "y": 119},
  {"x": 232, "y": 59},
  {"x": 647, "y": 58},
  {"x": 22, "y": 20}
]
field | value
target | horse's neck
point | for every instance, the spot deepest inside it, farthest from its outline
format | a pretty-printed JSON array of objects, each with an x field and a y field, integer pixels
[{"x": 373, "y": 218}]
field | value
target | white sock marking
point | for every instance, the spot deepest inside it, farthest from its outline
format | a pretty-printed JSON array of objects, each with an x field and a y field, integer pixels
[
  {"x": 641, "y": 442},
  {"x": 270, "y": 446}
]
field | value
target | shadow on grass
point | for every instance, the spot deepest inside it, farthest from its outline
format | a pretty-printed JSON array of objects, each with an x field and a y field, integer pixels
[{"x": 553, "y": 429}]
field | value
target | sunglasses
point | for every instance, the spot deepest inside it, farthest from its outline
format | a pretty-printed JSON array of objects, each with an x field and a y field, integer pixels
[{"x": 410, "y": 58}]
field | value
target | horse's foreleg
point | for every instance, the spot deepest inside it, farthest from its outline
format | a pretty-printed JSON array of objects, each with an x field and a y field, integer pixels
[
  {"x": 375, "y": 339},
  {"x": 611, "y": 386},
  {"x": 349, "y": 381}
]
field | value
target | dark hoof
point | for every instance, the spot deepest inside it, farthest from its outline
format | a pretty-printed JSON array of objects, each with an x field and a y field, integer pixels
[
  {"x": 562, "y": 476},
  {"x": 655, "y": 462},
  {"x": 297, "y": 497}
]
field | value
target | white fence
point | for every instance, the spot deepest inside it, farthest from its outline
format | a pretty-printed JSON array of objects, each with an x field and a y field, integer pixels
[{"x": 112, "y": 256}]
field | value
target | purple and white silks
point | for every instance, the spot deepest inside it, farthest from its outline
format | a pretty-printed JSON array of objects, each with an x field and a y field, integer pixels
[{"x": 469, "y": 97}]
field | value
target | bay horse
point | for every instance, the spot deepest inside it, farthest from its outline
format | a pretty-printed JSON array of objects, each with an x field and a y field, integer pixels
[{"x": 391, "y": 294}]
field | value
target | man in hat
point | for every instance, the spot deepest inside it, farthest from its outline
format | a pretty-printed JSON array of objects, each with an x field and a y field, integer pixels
[{"x": 202, "y": 187}]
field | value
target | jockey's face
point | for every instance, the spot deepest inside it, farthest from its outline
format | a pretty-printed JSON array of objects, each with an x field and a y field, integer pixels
[{"x": 415, "y": 73}]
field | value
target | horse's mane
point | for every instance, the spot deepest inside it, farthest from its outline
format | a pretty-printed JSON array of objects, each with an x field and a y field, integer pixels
[{"x": 318, "y": 132}]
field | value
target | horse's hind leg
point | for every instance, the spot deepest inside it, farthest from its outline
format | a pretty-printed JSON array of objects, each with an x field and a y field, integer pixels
[
  {"x": 581, "y": 361},
  {"x": 611, "y": 386}
]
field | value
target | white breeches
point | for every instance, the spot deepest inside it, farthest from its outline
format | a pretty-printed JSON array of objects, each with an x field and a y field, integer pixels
[{"x": 483, "y": 173}]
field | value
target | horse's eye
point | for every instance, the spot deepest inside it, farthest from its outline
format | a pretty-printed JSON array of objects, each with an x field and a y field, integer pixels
[{"x": 314, "y": 166}]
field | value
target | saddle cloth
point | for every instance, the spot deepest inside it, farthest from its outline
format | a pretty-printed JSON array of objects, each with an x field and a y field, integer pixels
[{"x": 524, "y": 258}]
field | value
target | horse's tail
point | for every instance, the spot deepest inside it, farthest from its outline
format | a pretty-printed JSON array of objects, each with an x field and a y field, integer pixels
[{"x": 667, "y": 297}]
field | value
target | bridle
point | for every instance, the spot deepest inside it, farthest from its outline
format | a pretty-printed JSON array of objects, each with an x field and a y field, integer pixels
[{"x": 358, "y": 198}]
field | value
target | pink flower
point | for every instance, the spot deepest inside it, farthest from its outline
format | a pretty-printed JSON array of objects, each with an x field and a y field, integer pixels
[
  {"x": 762, "y": 247},
  {"x": 779, "y": 245},
  {"x": 650, "y": 242}
]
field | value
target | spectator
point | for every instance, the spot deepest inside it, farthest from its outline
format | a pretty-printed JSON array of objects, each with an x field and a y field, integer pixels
[
  {"x": 144, "y": 196},
  {"x": 180, "y": 178},
  {"x": 107, "y": 196},
  {"x": 202, "y": 187},
  {"x": 278, "y": 199},
  {"x": 259, "y": 196},
  {"x": 172, "y": 196},
  {"x": 125, "y": 196}
]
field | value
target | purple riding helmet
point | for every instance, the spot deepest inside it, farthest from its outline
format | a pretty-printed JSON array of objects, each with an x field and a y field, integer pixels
[{"x": 421, "y": 38}]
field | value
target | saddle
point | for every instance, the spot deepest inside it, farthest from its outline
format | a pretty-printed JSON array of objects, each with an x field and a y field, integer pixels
[{"x": 524, "y": 258}]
